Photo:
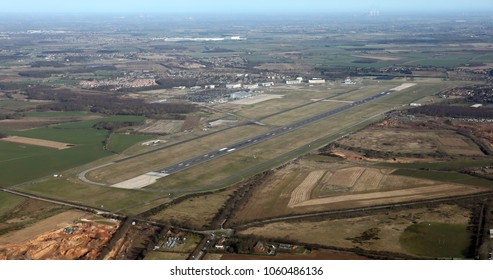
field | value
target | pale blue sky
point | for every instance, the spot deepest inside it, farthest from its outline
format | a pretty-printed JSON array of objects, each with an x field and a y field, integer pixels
[{"x": 241, "y": 6}]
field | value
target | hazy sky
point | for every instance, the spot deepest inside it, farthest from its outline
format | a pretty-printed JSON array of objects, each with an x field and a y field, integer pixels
[{"x": 241, "y": 6}]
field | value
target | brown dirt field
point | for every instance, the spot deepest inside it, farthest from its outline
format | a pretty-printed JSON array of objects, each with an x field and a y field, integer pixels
[
  {"x": 393, "y": 139},
  {"x": 49, "y": 224},
  {"x": 84, "y": 241},
  {"x": 314, "y": 255},
  {"x": 37, "y": 142},
  {"x": 304, "y": 190},
  {"x": 388, "y": 197},
  {"x": 272, "y": 196},
  {"x": 452, "y": 141},
  {"x": 349, "y": 155},
  {"x": 37, "y": 122},
  {"x": 335, "y": 232},
  {"x": 190, "y": 123},
  {"x": 345, "y": 177},
  {"x": 369, "y": 180}
]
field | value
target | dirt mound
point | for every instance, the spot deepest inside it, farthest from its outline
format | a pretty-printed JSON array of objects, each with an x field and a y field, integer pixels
[{"x": 78, "y": 241}]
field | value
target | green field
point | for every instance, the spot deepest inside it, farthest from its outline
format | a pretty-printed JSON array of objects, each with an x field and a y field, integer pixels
[
  {"x": 442, "y": 176},
  {"x": 8, "y": 202},
  {"x": 120, "y": 142},
  {"x": 436, "y": 240},
  {"x": 20, "y": 162}
]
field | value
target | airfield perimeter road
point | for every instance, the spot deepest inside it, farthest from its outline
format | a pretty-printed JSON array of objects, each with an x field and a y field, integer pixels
[{"x": 262, "y": 137}]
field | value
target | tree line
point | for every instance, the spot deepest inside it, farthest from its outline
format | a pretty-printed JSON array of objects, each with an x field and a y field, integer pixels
[
  {"x": 109, "y": 104},
  {"x": 453, "y": 111}
]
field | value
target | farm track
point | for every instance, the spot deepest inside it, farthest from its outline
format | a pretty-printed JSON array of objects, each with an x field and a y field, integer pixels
[{"x": 364, "y": 210}]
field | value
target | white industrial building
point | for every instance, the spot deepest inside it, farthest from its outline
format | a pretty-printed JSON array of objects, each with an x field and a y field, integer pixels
[
  {"x": 293, "y": 82},
  {"x": 233, "y": 86},
  {"x": 348, "y": 81},
  {"x": 253, "y": 86},
  {"x": 316, "y": 81}
]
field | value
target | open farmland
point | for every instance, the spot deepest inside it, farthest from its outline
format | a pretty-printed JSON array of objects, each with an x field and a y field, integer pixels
[
  {"x": 379, "y": 231},
  {"x": 303, "y": 191},
  {"x": 37, "y": 142},
  {"x": 43, "y": 119},
  {"x": 344, "y": 186},
  {"x": 41, "y": 161},
  {"x": 412, "y": 141}
]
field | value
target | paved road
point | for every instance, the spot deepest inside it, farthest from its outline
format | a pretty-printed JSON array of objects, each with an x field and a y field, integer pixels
[{"x": 262, "y": 137}]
